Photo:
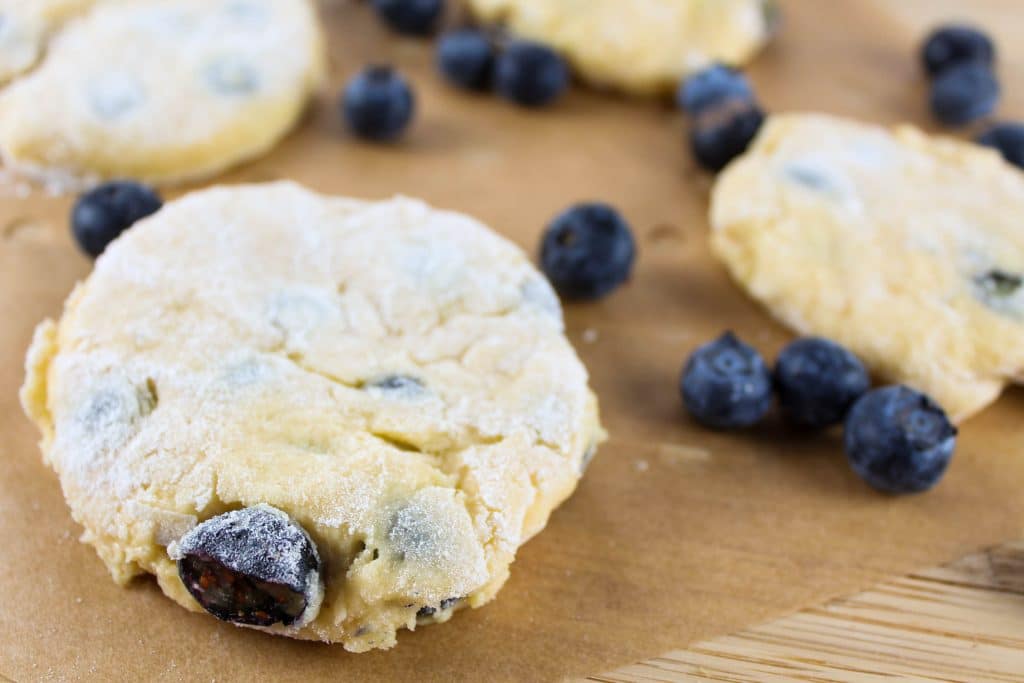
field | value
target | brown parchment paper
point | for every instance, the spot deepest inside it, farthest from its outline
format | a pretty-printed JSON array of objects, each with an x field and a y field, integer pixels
[{"x": 676, "y": 533}]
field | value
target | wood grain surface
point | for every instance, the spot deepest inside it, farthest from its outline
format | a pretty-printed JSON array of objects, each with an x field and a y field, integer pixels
[
  {"x": 958, "y": 623},
  {"x": 676, "y": 535}
]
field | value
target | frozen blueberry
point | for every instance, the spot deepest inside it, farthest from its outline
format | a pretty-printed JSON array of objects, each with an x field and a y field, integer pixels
[
  {"x": 817, "y": 381},
  {"x": 722, "y": 133},
  {"x": 466, "y": 58},
  {"x": 531, "y": 74},
  {"x": 964, "y": 93},
  {"x": 254, "y": 566},
  {"x": 412, "y": 17},
  {"x": 587, "y": 251},
  {"x": 726, "y": 385},
  {"x": 1008, "y": 138},
  {"x": 898, "y": 440},
  {"x": 378, "y": 103},
  {"x": 712, "y": 87},
  {"x": 106, "y": 211},
  {"x": 949, "y": 46}
]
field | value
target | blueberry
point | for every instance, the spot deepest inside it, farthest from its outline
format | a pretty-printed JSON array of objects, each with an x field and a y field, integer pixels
[
  {"x": 254, "y": 566},
  {"x": 964, "y": 93},
  {"x": 1008, "y": 138},
  {"x": 898, "y": 440},
  {"x": 950, "y": 46},
  {"x": 412, "y": 17},
  {"x": 817, "y": 381},
  {"x": 378, "y": 103},
  {"x": 712, "y": 87},
  {"x": 725, "y": 384},
  {"x": 531, "y": 74},
  {"x": 720, "y": 134},
  {"x": 106, "y": 211},
  {"x": 466, "y": 58},
  {"x": 428, "y": 611},
  {"x": 587, "y": 251}
]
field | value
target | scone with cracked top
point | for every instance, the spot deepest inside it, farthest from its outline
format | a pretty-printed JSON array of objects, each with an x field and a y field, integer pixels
[
  {"x": 642, "y": 46},
  {"x": 255, "y": 366},
  {"x": 163, "y": 90},
  {"x": 907, "y": 249}
]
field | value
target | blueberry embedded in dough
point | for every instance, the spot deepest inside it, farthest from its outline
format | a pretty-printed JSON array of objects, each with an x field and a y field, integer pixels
[
  {"x": 256, "y": 566},
  {"x": 808, "y": 177},
  {"x": 114, "y": 95},
  {"x": 231, "y": 76},
  {"x": 1001, "y": 291},
  {"x": 397, "y": 386},
  {"x": 428, "y": 611}
]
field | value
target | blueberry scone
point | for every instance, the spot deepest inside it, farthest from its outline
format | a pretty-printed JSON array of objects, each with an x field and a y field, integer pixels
[
  {"x": 641, "y": 46},
  {"x": 322, "y": 417},
  {"x": 907, "y": 249},
  {"x": 163, "y": 90},
  {"x": 24, "y": 28}
]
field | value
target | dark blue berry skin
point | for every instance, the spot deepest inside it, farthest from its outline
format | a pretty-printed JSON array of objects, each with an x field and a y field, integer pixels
[
  {"x": 964, "y": 93},
  {"x": 720, "y": 134},
  {"x": 587, "y": 251},
  {"x": 378, "y": 104},
  {"x": 712, "y": 87},
  {"x": 530, "y": 74},
  {"x": 726, "y": 385},
  {"x": 106, "y": 211},
  {"x": 1008, "y": 138},
  {"x": 949, "y": 46},
  {"x": 466, "y": 59},
  {"x": 411, "y": 17},
  {"x": 817, "y": 381},
  {"x": 898, "y": 440}
]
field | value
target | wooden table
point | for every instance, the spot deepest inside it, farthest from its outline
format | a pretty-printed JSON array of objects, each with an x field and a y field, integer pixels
[{"x": 676, "y": 535}]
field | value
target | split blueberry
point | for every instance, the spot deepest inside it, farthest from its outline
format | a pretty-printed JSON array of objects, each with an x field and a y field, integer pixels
[{"x": 253, "y": 566}]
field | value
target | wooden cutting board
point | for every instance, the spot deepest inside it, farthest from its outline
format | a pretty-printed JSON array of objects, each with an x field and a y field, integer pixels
[{"x": 676, "y": 535}]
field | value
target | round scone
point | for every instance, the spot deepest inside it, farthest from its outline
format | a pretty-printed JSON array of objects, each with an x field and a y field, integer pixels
[
  {"x": 327, "y": 418},
  {"x": 907, "y": 249},
  {"x": 24, "y": 28},
  {"x": 163, "y": 90},
  {"x": 640, "y": 46}
]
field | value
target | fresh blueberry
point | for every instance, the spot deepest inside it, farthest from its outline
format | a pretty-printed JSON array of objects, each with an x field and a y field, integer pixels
[
  {"x": 378, "y": 103},
  {"x": 712, "y": 87},
  {"x": 964, "y": 93},
  {"x": 531, "y": 74},
  {"x": 898, "y": 440},
  {"x": 1008, "y": 138},
  {"x": 253, "y": 566},
  {"x": 466, "y": 58},
  {"x": 817, "y": 381},
  {"x": 720, "y": 134},
  {"x": 106, "y": 211},
  {"x": 726, "y": 385},
  {"x": 587, "y": 251},
  {"x": 953, "y": 45},
  {"x": 412, "y": 17}
]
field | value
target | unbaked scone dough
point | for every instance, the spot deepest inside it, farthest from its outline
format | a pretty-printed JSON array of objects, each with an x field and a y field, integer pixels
[
  {"x": 907, "y": 249},
  {"x": 24, "y": 28},
  {"x": 163, "y": 90},
  {"x": 393, "y": 377},
  {"x": 639, "y": 46}
]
